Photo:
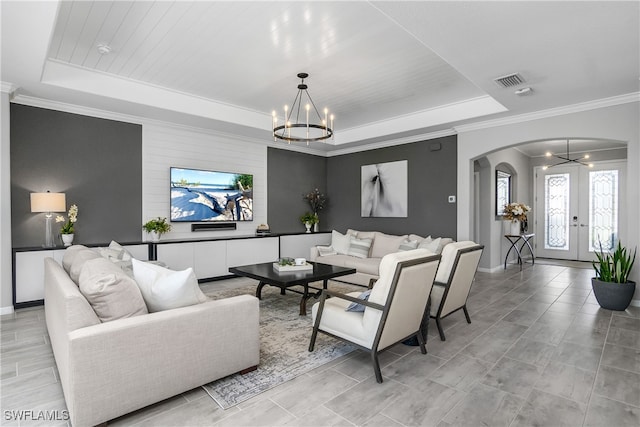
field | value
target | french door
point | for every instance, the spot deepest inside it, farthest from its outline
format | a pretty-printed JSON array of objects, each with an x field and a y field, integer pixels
[{"x": 577, "y": 208}]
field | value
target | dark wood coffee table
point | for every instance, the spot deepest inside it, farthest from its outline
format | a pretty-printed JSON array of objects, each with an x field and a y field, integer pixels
[{"x": 267, "y": 275}]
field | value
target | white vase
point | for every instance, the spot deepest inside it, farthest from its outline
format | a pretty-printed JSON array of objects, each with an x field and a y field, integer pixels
[
  {"x": 155, "y": 236},
  {"x": 308, "y": 227},
  {"x": 67, "y": 239},
  {"x": 316, "y": 227},
  {"x": 512, "y": 227}
]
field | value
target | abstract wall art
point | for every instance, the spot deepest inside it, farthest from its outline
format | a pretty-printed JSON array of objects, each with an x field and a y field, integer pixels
[{"x": 384, "y": 190}]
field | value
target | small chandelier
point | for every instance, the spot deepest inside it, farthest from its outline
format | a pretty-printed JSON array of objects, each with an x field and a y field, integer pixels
[
  {"x": 566, "y": 159},
  {"x": 302, "y": 131}
]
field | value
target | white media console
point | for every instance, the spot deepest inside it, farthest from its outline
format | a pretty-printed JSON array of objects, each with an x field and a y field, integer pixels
[{"x": 209, "y": 258}]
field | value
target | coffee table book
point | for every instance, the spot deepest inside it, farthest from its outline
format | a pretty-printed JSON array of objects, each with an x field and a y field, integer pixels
[{"x": 288, "y": 268}]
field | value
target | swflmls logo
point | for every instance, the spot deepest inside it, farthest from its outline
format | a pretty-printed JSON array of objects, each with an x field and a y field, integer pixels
[{"x": 30, "y": 415}]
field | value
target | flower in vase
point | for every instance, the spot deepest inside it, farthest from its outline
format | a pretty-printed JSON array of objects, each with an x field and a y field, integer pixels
[{"x": 67, "y": 228}]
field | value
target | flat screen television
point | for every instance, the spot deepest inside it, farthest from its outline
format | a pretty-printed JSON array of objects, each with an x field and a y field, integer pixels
[{"x": 209, "y": 196}]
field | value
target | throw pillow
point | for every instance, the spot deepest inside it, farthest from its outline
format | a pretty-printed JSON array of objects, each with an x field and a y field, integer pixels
[
  {"x": 385, "y": 244},
  {"x": 69, "y": 255},
  {"x": 112, "y": 294},
  {"x": 408, "y": 245},
  {"x": 354, "y": 306},
  {"x": 80, "y": 258},
  {"x": 164, "y": 289},
  {"x": 326, "y": 250},
  {"x": 340, "y": 242},
  {"x": 126, "y": 255},
  {"x": 359, "y": 248},
  {"x": 430, "y": 244}
]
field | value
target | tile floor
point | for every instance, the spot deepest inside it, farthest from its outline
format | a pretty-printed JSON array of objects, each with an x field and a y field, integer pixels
[{"x": 539, "y": 351}]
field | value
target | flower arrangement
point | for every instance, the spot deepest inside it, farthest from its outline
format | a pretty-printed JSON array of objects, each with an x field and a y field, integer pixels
[
  {"x": 309, "y": 218},
  {"x": 316, "y": 200},
  {"x": 159, "y": 225},
  {"x": 67, "y": 228},
  {"x": 516, "y": 211}
]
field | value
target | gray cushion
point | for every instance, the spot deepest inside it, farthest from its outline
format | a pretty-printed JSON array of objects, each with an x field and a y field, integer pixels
[
  {"x": 112, "y": 294},
  {"x": 81, "y": 256}
]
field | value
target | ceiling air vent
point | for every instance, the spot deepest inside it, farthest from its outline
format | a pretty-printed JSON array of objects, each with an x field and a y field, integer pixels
[{"x": 510, "y": 80}]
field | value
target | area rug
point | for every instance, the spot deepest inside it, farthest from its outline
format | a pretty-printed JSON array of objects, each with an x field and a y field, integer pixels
[{"x": 284, "y": 342}]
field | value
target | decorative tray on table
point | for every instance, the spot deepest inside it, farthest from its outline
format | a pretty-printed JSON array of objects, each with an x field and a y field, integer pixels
[{"x": 288, "y": 264}]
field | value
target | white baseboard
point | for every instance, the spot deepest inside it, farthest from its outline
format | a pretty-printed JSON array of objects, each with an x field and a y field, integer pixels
[
  {"x": 491, "y": 270},
  {"x": 6, "y": 310},
  {"x": 635, "y": 302}
]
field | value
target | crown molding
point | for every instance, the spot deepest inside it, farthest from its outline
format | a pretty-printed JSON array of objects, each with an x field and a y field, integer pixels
[
  {"x": 392, "y": 142},
  {"x": 559, "y": 111},
  {"x": 6, "y": 87}
]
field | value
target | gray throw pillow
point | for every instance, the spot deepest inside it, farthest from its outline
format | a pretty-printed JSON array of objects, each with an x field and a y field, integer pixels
[{"x": 354, "y": 306}]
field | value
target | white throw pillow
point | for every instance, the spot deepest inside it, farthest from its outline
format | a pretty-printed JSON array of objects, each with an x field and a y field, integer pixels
[
  {"x": 408, "y": 245},
  {"x": 430, "y": 244},
  {"x": 326, "y": 250},
  {"x": 125, "y": 254},
  {"x": 340, "y": 242},
  {"x": 359, "y": 248},
  {"x": 164, "y": 289}
]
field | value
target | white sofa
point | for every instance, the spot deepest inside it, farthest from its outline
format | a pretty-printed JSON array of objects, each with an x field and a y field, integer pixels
[
  {"x": 348, "y": 250},
  {"x": 110, "y": 369}
]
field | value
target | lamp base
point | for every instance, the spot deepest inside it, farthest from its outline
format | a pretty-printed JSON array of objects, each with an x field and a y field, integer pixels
[{"x": 48, "y": 231}]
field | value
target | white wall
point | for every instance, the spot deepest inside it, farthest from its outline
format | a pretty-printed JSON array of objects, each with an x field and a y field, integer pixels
[
  {"x": 6, "y": 296},
  {"x": 618, "y": 122},
  {"x": 164, "y": 146}
]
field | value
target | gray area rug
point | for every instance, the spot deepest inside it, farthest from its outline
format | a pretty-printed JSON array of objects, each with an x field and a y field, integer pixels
[{"x": 284, "y": 342}]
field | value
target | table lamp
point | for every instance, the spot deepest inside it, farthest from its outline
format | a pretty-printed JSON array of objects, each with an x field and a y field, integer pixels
[{"x": 48, "y": 202}]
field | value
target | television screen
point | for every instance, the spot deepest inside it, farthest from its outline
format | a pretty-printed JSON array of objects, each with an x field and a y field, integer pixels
[{"x": 205, "y": 196}]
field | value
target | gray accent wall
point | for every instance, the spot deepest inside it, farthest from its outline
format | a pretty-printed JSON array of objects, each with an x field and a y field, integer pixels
[
  {"x": 96, "y": 162},
  {"x": 290, "y": 176},
  {"x": 432, "y": 178}
]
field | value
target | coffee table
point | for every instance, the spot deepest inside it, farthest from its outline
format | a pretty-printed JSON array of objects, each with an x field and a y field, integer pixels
[{"x": 267, "y": 275}]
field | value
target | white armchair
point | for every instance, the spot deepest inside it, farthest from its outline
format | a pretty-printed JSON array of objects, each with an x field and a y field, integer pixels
[
  {"x": 454, "y": 279},
  {"x": 393, "y": 313}
]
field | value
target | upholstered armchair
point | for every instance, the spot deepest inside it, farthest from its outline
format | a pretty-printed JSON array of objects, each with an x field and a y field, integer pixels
[
  {"x": 453, "y": 281},
  {"x": 394, "y": 310}
]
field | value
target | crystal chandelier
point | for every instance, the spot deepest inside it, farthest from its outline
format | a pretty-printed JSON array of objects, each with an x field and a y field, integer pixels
[{"x": 294, "y": 128}]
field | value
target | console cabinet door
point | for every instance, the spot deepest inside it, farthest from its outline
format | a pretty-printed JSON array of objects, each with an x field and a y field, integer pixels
[
  {"x": 210, "y": 259},
  {"x": 177, "y": 256},
  {"x": 29, "y": 271},
  {"x": 252, "y": 251}
]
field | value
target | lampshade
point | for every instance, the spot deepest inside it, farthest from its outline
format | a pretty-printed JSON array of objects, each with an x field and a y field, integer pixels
[{"x": 48, "y": 202}]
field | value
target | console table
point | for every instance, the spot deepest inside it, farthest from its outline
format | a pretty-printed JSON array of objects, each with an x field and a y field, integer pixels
[{"x": 514, "y": 239}]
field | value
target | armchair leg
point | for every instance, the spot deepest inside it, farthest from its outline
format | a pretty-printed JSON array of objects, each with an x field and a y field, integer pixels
[
  {"x": 376, "y": 366},
  {"x": 440, "y": 331},
  {"x": 314, "y": 334},
  {"x": 421, "y": 343},
  {"x": 466, "y": 313}
]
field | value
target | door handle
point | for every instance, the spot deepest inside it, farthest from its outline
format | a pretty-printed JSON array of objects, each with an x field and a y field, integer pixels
[
  {"x": 584, "y": 225},
  {"x": 574, "y": 225}
]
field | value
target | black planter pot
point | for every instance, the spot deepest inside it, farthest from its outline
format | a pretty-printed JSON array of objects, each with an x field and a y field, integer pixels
[{"x": 613, "y": 296}]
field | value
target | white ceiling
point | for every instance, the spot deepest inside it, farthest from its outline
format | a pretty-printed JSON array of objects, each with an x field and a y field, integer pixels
[{"x": 387, "y": 70}]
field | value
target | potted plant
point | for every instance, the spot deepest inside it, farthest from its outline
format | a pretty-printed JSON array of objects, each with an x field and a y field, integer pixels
[
  {"x": 612, "y": 286},
  {"x": 67, "y": 230},
  {"x": 308, "y": 219},
  {"x": 156, "y": 228}
]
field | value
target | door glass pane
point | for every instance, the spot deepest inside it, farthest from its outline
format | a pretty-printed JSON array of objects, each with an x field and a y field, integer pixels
[
  {"x": 603, "y": 209},
  {"x": 556, "y": 220}
]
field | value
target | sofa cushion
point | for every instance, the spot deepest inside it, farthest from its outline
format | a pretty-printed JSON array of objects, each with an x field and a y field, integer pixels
[
  {"x": 366, "y": 234},
  {"x": 164, "y": 289},
  {"x": 69, "y": 255},
  {"x": 80, "y": 258},
  {"x": 112, "y": 294},
  {"x": 384, "y": 244},
  {"x": 359, "y": 248},
  {"x": 337, "y": 260},
  {"x": 363, "y": 265},
  {"x": 340, "y": 242}
]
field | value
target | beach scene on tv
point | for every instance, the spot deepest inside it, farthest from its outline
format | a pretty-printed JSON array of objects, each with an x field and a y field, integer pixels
[{"x": 199, "y": 195}]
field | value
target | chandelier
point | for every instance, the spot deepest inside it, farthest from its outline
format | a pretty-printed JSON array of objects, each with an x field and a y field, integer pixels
[
  {"x": 297, "y": 129},
  {"x": 566, "y": 159}
]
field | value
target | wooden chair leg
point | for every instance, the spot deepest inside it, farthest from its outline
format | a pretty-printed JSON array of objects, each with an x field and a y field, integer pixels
[
  {"x": 314, "y": 334},
  {"x": 440, "y": 330},
  {"x": 466, "y": 313}
]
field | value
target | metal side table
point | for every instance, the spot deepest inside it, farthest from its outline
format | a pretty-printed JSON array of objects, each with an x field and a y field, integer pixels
[{"x": 514, "y": 239}]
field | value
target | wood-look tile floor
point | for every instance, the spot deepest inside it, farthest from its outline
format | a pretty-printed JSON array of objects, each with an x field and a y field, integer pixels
[{"x": 539, "y": 351}]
